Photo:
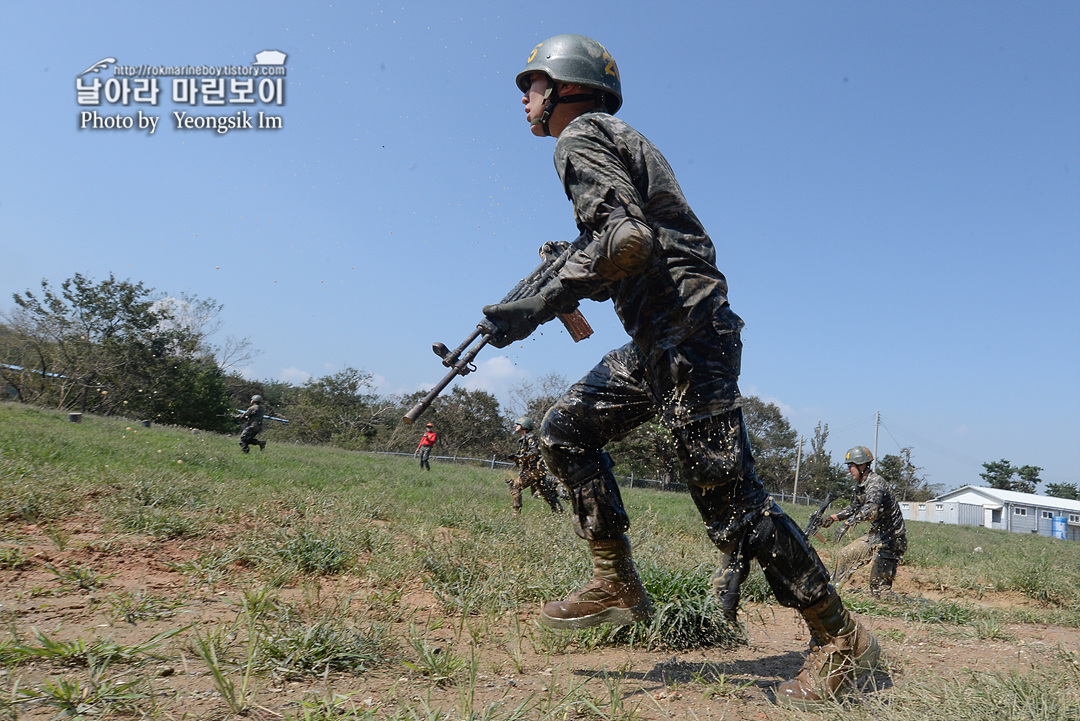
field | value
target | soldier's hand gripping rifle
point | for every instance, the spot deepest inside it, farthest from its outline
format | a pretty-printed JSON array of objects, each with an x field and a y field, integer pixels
[
  {"x": 460, "y": 360},
  {"x": 817, "y": 518}
]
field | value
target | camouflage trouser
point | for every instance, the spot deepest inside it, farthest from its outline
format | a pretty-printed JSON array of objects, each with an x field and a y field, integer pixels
[
  {"x": 537, "y": 480},
  {"x": 247, "y": 436},
  {"x": 741, "y": 519},
  {"x": 886, "y": 557},
  {"x": 425, "y": 455}
]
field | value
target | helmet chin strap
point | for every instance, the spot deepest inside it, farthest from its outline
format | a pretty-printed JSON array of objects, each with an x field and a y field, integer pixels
[{"x": 551, "y": 99}]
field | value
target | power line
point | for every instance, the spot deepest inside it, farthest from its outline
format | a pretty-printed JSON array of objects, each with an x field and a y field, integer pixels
[
  {"x": 932, "y": 445},
  {"x": 848, "y": 427}
]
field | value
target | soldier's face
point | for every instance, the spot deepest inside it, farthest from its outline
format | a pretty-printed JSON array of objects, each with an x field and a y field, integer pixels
[
  {"x": 856, "y": 470},
  {"x": 533, "y": 100}
]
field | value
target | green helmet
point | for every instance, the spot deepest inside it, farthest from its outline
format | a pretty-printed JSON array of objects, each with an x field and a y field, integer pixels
[
  {"x": 577, "y": 60},
  {"x": 256, "y": 399},
  {"x": 526, "y": 422},
  {"x": 859, "y": 455}
]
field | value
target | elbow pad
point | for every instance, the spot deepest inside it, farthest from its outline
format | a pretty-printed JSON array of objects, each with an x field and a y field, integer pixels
[{"x": 624, "y": 246}]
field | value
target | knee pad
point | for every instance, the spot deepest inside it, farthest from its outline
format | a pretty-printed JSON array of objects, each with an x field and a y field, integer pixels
[{"x": 569, "y": 452}]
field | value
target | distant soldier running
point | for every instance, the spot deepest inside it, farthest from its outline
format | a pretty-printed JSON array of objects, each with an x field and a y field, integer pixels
[
  {"x": 887, "y": 540},
  {"x": 253, "y": 424},
  {"x": 533, "y": 473}
]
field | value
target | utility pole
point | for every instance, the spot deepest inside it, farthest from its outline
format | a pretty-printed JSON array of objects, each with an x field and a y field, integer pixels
[
  {"x": 798, "y": 461},
  {"x": 877, "y": 424}
]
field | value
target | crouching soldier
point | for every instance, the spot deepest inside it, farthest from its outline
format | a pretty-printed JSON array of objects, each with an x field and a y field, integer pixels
[
  {"x": 886, "y": 541},
  {"x": 533, "y": 474}
]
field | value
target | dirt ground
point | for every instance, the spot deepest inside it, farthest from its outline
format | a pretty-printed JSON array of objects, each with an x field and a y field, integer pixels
[{"x": 707, "y": 684}]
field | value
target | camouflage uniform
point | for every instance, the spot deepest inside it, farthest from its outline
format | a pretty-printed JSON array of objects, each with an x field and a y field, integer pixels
[
  {"x": 533, "y": 475},
  {"x": 682, "y": 364},
  {"x": 253, "y": 418},
  {"x": 886, "y": 541}
]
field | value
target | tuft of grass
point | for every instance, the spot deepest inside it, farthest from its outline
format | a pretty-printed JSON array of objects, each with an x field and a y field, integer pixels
[
  {"x": 97, "y": 698},
  {"x": 159, "y": 523},
  {"x": 12, "y": 558},
  {"x": 439, "y": 665},
  {"x": 238, "y": 697},
  {"x": 295, "y": 648},
  {"x": 80, "y": 578},
  {"x": 312, "y": 552},
  {"x": 80, "y": 653},
  {"x": 135, "y": 606},
  {"x": 686, "y": 615}
]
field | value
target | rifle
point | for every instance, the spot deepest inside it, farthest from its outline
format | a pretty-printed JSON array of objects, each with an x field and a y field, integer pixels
[
  {"x": 265, "y": 418},
  {"x": 460, "y": 360},
  {"x": 817, "y": 517}
]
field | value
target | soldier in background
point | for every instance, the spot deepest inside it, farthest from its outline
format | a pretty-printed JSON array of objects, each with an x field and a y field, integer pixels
[
  {"x": 886, "y": 541},
  {"x": 641, "y": 246},
  {"x": 253, "y": 420},
  {"x": 427, "y": 442},
  {"x": 533, "y": 475}
]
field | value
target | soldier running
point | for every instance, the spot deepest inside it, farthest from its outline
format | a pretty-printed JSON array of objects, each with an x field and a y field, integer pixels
[
  {"x": 641, "y": 246},
  {"x": 533, "y": 475},
  {"x": 886, "y": 541},
  {"x": 253, "y": 419}
]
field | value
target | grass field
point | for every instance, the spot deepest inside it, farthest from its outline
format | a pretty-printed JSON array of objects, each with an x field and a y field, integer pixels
[{"x": 160, "y": 573}]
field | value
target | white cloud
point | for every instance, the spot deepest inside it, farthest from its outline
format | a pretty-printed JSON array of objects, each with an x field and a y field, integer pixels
[
  {"x": 495, "y": 375},
  {"x": 785, "y": 409},
  {"x": 296, "y": 376}
]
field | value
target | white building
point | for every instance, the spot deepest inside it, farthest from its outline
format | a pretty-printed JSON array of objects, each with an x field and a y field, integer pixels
[{"x": 1003, "y": 510}]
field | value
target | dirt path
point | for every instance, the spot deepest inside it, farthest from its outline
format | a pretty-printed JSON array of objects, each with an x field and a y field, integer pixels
[{"x": 511, "y": 664}]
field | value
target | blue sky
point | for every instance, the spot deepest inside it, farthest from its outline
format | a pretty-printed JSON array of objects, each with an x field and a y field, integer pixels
[{"x": 893, "y": 189}]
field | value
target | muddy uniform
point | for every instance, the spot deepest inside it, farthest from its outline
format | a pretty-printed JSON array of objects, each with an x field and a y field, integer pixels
[
  {"x": 682, "y": 364},
  {"x": 533, "y": 475},
  {"x": 886, "y": 541},
  {"x": 253, "y": 419}
]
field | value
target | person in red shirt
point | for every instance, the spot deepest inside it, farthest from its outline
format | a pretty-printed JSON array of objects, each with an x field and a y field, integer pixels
[{"x": 428, "y": 440}]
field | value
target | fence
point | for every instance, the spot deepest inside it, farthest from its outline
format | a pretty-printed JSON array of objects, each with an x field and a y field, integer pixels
[{"x": 624, "y": 481}]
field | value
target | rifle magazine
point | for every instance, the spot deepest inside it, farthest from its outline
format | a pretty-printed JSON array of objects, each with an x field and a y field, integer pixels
[{"x": 576, "y": 325}]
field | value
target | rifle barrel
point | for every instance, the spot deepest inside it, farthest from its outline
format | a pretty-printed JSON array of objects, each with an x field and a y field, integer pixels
[
  {"x": 460, "y": 368},
  {"x": 459, "y": 360}
]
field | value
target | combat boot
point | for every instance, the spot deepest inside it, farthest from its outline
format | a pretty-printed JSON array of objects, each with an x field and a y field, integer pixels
[
  {"x": 840, "y": 651},
  {"x": 262, "y": 445},
  {"x": 613, "y": 595}
]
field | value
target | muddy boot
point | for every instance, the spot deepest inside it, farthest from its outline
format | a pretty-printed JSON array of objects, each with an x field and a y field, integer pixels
[
  {"x": 840, "y": 651},
  {"x": 613, "y": 595},
  {"x": 727, "y": 585}
]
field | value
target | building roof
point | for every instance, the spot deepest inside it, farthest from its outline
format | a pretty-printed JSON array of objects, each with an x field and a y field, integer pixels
[{"x": 1014, "y": 498}]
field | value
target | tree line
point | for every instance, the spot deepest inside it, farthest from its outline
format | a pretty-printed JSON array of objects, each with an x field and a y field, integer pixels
[{"x": 117, "y": 347}]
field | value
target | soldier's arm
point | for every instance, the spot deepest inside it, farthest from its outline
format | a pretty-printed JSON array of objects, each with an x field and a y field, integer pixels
[
  {"x": 846, "y": 513},
  {"x": 871, "y": 507},
  {"x": 617, "y": 241}
]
